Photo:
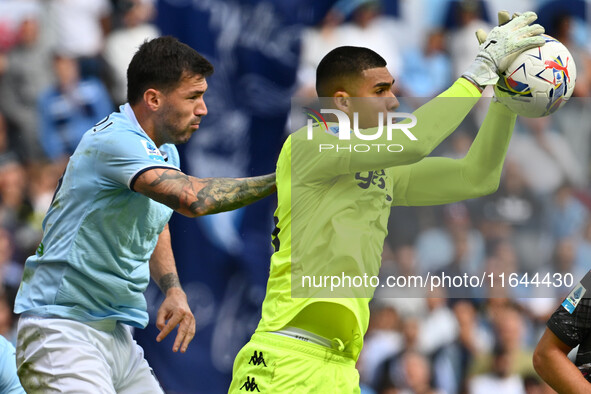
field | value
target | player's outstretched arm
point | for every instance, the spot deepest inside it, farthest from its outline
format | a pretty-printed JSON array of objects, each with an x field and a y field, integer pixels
[
  {"x": 193, "y": 197},
  {"x": 552, "y": 364},
  {"x": 440, "y": 180},
  {"x": 439, "y": 117},
  {"x": 435, "y": 121},
  {"x": 175, "y": 310}
]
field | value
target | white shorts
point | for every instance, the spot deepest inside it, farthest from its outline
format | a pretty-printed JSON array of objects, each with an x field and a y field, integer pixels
[{"x": 66, "y": 356}]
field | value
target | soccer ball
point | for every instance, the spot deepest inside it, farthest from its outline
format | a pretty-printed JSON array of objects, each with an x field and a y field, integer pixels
[{"x": 539, "y": 81}]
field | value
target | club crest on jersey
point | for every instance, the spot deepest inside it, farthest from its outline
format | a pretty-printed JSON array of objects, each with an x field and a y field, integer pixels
[
  {"x": 153, "y": 152},
  {"x": 573, "y": 299}
]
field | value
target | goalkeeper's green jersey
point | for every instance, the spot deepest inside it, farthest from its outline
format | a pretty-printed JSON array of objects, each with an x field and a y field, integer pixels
[{"x": 333, "y": 207}]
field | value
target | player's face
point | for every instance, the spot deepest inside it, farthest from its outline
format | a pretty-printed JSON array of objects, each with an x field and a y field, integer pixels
[
  {"x": 375, "y": 91},
  {"x": 182, "y": 110}
]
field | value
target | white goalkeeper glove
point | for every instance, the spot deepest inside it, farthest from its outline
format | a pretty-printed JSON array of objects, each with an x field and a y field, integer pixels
[
  {"x": 502, "y": 46},
  {"x": 503, "y": 17}
]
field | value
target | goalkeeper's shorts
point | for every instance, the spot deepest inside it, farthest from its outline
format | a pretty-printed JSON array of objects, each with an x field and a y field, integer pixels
[{"x": 271, "y": 363}]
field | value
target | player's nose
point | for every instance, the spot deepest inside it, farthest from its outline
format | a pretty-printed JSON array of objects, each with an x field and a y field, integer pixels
[
  {"x": 393, "y": 103},
  {"x": 200, "y": 108}
]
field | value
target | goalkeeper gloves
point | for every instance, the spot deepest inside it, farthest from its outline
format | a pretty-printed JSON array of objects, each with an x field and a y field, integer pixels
[
  {"x": 503, "y": 17},
  {"x": 502, "y": 45}
]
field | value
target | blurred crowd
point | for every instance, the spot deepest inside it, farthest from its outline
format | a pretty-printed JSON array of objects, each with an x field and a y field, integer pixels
[{"x": 62, "y": 69}]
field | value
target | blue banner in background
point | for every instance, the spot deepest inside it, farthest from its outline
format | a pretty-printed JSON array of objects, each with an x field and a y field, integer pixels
[{"x": 223, "y": 260}]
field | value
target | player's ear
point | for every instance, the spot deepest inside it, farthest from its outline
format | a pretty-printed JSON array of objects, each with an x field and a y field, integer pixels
[
  {"x": 153, "y": 99},
  {"x": 342, "y": 101}
]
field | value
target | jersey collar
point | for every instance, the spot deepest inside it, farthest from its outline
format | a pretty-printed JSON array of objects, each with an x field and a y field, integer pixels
[{"x": 127, "y": 111}]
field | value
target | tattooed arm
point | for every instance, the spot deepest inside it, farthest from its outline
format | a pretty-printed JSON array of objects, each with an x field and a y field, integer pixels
[
  {"x": 192, "y": 196},
  {"x": 162, "y": 264},
  {"x": 174, "y": 310}
]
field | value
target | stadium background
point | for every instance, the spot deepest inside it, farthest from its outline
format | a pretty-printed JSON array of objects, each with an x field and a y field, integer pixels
[{"x": 264, "y": 53}]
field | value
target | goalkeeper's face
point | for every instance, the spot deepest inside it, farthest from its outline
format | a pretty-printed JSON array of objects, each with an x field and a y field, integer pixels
[
  {"x": 182, "y": 110},
  {"x": 374, "y": 89}
]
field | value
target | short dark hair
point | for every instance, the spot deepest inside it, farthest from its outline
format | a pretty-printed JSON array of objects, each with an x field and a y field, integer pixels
[
  {"x": 161, "y": 64},
  {"x": 341, "y": 64}
]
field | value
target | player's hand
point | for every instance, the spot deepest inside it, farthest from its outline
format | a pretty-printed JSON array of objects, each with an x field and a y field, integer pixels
[
  {"x": 173, "y": 312},
  {"x": 502, "y": 45},
  {"x": 504, "y": 17}
]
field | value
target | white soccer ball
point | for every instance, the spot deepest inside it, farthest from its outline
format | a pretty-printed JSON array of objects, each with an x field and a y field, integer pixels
[{"x": 539, "y": 81}]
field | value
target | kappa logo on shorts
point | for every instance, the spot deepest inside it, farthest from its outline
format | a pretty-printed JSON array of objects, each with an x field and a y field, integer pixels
[
  {"x": 257, "y": 359},
  {"x": 250, "y": 385}
]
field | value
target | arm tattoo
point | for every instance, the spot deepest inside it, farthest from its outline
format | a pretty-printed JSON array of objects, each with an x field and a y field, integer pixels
[
  {"x": 168, "y": 183},
  {"x": 226, "y": 194},
  {"x": 177, "y": 190},
  {"x": 169, "y": 281}
]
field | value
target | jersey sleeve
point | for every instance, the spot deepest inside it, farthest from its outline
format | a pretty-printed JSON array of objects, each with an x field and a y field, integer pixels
[
  {"x": 9, "y": 382},
  {"x": 442, "y": 180},
  {"x": 571, "y": 322},
  {"x": 171, "y": 155},
  {"x": 123, "y": 159}
]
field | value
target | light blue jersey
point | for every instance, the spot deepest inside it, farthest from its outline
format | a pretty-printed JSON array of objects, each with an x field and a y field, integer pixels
[{"x": 99, "y": 234}]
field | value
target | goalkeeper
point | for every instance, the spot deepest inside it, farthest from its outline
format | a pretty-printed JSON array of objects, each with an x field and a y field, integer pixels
[{"x": 333, "y": 208}]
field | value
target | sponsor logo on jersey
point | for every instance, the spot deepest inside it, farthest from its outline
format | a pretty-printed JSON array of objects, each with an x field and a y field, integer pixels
[
  {"x": 153, "y": 152},
  {"x": 573, "y": 299}
]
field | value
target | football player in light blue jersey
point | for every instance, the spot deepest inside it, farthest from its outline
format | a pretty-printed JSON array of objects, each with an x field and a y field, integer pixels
[{"x": 106, "y": 233}]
